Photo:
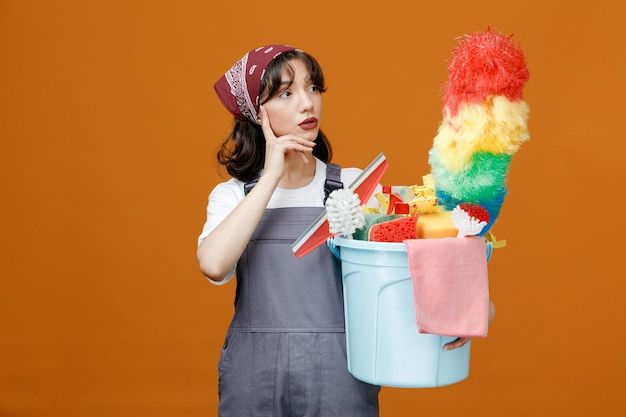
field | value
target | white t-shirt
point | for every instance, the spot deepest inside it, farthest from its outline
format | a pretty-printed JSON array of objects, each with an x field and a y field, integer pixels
[{"x": 227, "y": 195}]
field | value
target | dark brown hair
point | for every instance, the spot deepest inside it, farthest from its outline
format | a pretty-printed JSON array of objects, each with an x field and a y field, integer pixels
[{"x": 243, "y": 151}]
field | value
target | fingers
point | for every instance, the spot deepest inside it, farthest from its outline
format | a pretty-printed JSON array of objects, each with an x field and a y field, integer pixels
[
  {"x": 283, "y": 144},
  {"x": 287, "y": 142},
  {"x": 456, "y": 343},
  {"x": 264, "y": 121}
]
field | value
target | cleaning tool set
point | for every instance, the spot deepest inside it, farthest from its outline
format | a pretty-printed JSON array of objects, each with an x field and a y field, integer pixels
[{"x": 414, "y": 265}]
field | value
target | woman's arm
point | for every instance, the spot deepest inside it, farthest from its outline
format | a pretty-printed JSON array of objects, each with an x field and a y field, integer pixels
[{"x": 221, "y": 249}]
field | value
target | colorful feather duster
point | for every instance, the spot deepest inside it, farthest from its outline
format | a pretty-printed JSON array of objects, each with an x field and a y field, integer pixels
[{"x": 484, "y": 122}]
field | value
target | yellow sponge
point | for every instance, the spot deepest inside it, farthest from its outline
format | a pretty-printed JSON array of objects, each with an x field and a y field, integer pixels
[{"x": 436, "y": 225}]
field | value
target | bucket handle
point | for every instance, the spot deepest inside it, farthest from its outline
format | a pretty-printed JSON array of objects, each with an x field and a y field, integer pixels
[{"x": 333, "y": 248}]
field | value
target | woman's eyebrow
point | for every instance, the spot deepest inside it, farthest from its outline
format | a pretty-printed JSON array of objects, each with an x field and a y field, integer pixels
[{"x": 286, "y": 83}]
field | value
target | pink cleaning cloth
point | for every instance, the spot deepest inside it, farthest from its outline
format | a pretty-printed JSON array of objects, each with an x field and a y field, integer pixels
[{"x": 450, "y": 285}]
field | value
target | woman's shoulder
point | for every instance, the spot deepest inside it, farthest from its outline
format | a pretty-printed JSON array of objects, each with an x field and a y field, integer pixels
[{"x": 230, "y": 189}]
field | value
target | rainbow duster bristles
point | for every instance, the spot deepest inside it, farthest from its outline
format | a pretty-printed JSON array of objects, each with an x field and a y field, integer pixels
[
  {"x": 484, "y": 122},
  {"x": 485, "y": 64}
]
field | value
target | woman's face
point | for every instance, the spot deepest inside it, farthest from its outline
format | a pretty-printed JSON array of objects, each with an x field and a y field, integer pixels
[{"x": 297, "y": 106}]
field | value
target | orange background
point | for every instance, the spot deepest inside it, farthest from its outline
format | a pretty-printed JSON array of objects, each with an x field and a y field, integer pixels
[{"x": 109, "y": 126}]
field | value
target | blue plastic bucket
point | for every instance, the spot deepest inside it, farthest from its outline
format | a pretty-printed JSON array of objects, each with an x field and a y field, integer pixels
[{"x": 383, "y": 342}]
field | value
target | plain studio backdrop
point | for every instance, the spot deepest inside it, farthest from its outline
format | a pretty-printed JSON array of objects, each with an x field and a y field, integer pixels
[{"x": 109, "y": 126}]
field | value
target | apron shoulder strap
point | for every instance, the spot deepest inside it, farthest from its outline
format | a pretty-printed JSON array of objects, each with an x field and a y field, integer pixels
[
  {"x": 332, "y": 183},
  {"x": 247, "y": 187},
  {"x": 333, "y": 179}
]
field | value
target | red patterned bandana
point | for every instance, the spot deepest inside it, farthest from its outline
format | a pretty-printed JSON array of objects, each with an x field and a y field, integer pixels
[{"x": 238, "y": 89}]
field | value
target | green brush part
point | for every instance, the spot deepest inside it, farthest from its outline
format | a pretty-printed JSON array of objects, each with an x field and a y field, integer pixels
[{"x": 484, "y": 176}]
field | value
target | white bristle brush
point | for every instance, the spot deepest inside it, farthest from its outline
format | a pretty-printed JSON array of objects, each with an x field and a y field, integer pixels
[
  {"x": 469, "y": 219},
  {"x": 343, "y": 209}
]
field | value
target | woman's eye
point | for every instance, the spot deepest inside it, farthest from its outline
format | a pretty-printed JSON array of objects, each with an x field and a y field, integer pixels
[
  {"x": 284, "y": 94},
  {"x": 314, "y": 89}
]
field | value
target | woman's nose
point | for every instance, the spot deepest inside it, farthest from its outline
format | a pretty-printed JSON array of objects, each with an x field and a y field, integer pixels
[{"x": 305, "y": 101}]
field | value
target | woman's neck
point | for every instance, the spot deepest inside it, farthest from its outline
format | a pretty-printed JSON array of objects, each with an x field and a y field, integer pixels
[{"x": 298, "y": 173}]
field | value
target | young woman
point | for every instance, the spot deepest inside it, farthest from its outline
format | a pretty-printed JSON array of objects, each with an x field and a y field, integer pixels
[{"x": 284, "y": 353}]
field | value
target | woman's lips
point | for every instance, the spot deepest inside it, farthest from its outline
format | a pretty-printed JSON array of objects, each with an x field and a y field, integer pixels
[{"x": 308, "y": 124}]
